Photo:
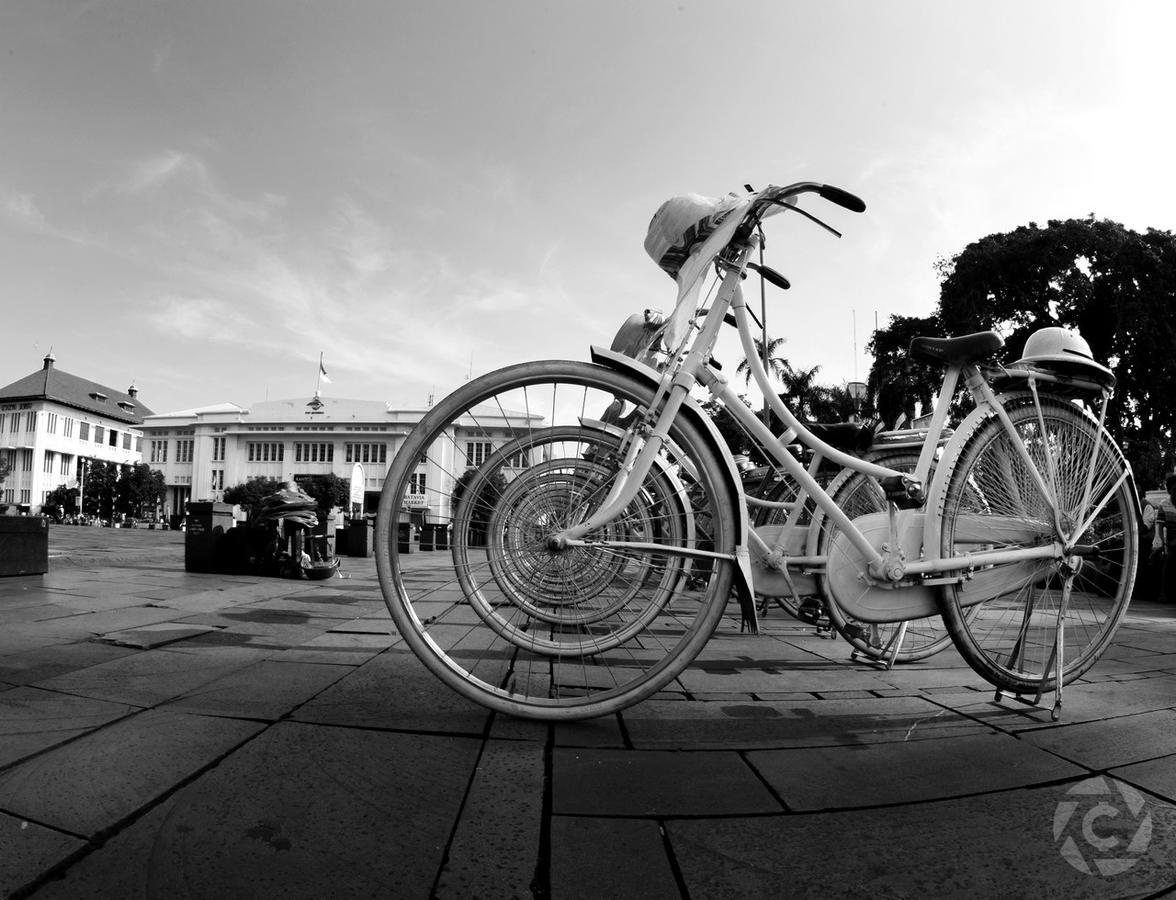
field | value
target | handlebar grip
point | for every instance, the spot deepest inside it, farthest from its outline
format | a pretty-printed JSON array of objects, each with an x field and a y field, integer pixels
[
  {"x": 842, "y": 198},
  {"x": 771, "y": 276}
]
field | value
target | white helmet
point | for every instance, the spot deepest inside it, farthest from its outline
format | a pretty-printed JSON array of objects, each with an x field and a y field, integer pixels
[{"x": 1064, "y": 351}]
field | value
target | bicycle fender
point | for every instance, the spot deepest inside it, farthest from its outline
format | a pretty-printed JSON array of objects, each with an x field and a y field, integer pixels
[{"x": 642, "y": 373}]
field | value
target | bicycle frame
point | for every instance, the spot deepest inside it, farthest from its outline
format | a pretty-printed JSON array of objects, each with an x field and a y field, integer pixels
[{"x": 885, "y": 566}]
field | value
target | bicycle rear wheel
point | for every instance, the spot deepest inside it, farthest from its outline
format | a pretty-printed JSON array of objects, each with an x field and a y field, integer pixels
[
  {"x": 1004, "y": 618},
  {"x": 528, "y": 628}
]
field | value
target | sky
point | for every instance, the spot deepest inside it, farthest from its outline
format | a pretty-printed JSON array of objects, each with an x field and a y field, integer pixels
[{"x": 203, "y": 197}]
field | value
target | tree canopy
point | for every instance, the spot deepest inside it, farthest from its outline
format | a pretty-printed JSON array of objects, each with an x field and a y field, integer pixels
[{"x": 1112, "y": 284}]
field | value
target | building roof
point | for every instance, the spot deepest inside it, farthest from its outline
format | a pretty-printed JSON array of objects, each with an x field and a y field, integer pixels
[
  {"x": 319, "y": 409},
  {"x": 214, "y": 409},
  {"x": 51, "y": 383}
]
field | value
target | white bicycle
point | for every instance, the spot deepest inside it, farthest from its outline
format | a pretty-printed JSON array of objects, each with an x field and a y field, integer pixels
[{"x": 599, "y": 524}]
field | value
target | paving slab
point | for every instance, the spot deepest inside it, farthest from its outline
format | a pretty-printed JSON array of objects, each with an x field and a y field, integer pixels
[
  {"x": 604, "y": 782},
  {"x": 300, "y": 812},
  {"x": 1156, "y": 775},
  {"x": 32, "y": 720},
  {"x": 1082, "y": 702},
  {"x": 394, "y": 690},
  {"x": 791, "y": 724},
  {"x": 149, "y": 636},
  {"x": 150, "y": 677},
  {"x": 629, "y": 858},
  {"x": 341, "y": 648},
  {"x": 906, "y": 771},
  {"x": 495, "y": 847},
  {"x": 266, "y": 690},
  {"x": 1111, "y": 742},
  {"x": 995, "y": 845},
  {"x": 89, "y": 785},
  {"x": 28, "y": 849},
  {"x": 58, "y": 659}
]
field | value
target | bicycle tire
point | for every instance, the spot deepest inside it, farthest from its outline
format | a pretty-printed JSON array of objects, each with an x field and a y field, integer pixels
[
  {"x": 992, "y": 502},
  {"x": 859, "y": 495},
  {"x": 515, "y": 624}
]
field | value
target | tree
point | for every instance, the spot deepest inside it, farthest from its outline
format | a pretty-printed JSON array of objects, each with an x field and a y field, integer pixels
[
  {"x": 101, "y": 487},
  {"x": 139, "y": 489},
  {"x": 250, "y": 494},
  {"x": 489, "y": 492},
  {"x": 328, "y": 490},
  {"x": 5, "y": 467},
  {"x": 1112, "y": 284},
  {"x": 898, "y": 383},
  {"x": 775, "y": 364},
  {"x": 65, "y": 497}
]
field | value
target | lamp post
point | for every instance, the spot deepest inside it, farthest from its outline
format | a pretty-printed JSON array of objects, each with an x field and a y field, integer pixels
[{"x": 857, "y": 393}]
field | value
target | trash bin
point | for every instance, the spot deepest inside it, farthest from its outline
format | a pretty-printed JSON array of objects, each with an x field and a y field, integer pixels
[
  {"x": 207, "y": 523},
  {"x": 24, "y": 545},
  {"x": 361, "y": 537}
]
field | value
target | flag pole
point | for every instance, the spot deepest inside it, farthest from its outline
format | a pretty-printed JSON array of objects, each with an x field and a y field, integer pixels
[{"x": 318, "y": 375}]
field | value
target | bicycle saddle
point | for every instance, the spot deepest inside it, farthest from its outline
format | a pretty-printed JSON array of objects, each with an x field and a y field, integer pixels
[
  {"x": 848, "y": 436},
  {"x": 957, "y": 351}
]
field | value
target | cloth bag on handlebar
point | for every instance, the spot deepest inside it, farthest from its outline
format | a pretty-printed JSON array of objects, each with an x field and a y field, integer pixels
[{"x": 684, "y": 236}]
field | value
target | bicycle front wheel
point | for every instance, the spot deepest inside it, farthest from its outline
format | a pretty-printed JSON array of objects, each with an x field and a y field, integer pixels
[
  {"x": 1005, "y": 618},
  {"x": 515, "y": 621}
]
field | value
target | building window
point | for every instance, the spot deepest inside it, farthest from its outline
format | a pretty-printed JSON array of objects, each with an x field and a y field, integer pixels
[
  {"x": 218, "y": 449},
  {"x": 218, "y": 479},
  {"x": 417, "y": 483},
  {"x": 30, "y": 422},
  {"x": 67, "y": 427},
  {"x": 113, "y": 438},
  {"x": 26, "y": 459},
  {"x": 477, "y": 452},
  {"x": 14, "y": 425},
  {"x": 184, "y": 451},
  {"x": 83, "y": 431},
  {"x": 317, "y": 452},
  {"x": 99, "y": 434},
  {"x": 266, "y": 451},
  {"x": 51, "y": 423},
  {"x": 66, "y": 464},
  {"x": 367, "y": 453},
  {"x": 520, "y": 459},
  {"x": 48, "y": 468},
  {"x": 127, "y": 441},
  {"x": 159, "y": 451}
]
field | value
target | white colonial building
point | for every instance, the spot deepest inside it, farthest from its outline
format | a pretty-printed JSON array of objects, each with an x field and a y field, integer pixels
[
  {"x": 201, "y": 452},
  {"x": 53, "y": 423}
]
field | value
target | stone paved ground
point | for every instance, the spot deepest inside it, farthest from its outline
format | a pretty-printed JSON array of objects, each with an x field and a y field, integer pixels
[{"x": 172, "y": 735}]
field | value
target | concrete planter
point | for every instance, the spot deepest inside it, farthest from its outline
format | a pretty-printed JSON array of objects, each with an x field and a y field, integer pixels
[{"x": 24, "y": 545}]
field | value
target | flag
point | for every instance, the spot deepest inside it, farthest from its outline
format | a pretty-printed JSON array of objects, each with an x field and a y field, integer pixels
[{"x": 323, "y": 372}]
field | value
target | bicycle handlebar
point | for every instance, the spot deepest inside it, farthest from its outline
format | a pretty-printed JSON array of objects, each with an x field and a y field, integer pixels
[{"x": 842, "y": 198}]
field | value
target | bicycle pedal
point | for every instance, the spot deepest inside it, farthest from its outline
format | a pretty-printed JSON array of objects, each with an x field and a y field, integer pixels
[
  {"x": 810, "y": 612},
  {"x": 904, "y": 492}
]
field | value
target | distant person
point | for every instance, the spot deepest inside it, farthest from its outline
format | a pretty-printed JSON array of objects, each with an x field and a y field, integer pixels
[{"x": 1165, "y": 541}]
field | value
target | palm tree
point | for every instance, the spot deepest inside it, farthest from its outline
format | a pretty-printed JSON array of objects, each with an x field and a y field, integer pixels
[
  {"x": 777, "y": 366},
  {"x": 801, "y": 393}
]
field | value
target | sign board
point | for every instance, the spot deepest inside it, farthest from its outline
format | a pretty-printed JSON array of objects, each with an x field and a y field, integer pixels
[
  {"x": 357, "y": 483},
  {"x": 416, "y": 501}
]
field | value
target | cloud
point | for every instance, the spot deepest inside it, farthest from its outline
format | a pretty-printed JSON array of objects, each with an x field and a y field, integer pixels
[{"x": 21, "y": 207}]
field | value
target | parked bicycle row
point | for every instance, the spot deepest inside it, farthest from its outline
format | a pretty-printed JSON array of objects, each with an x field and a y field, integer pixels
[{"x": 597, "y": 544}]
